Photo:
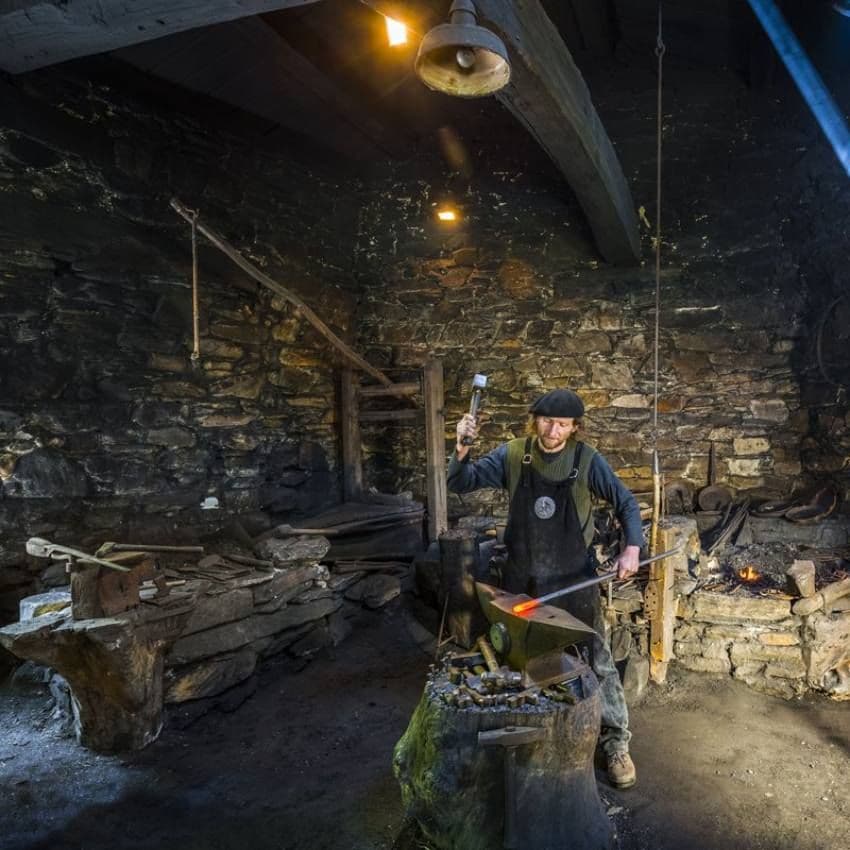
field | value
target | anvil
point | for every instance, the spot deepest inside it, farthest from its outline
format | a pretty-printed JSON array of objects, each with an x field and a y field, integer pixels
[{"x": 534, "y": 633}]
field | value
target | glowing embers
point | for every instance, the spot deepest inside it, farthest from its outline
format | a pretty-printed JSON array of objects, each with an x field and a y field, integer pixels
[
  {"x": 396, "y": 32},
  {"x": 749, "y": 574}
]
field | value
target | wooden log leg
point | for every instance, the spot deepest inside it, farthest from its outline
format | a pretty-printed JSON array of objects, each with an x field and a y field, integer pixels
[
  {"x": 435, "y": 449},
  {"x": 459, "y": 568}
]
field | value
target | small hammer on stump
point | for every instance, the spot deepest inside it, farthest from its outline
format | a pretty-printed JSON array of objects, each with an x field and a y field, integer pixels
[
  {"x": 511, "y": 737},
  {"x": 110, "y": 546}
]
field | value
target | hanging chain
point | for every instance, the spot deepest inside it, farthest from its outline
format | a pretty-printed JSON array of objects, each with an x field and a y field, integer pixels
[
  {"x": 659, "y": 52},
  {"x": 196, "y": 350}
]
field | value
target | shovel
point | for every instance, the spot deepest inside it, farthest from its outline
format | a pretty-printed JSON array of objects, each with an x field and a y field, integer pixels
[{"x": 714, "y": 497}]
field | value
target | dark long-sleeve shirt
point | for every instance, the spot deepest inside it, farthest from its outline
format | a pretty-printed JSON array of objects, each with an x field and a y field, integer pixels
[{"x": 492, "y": 471}]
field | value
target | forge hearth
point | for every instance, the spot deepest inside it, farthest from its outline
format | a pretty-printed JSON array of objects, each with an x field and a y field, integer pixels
[{"x": 740, "y": 620}]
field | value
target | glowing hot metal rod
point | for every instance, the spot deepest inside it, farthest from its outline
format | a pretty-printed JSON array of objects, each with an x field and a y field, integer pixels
[{"x": 531, "y": 604}]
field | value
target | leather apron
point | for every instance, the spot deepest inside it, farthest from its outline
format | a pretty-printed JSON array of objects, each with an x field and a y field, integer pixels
[{"x": 546, "y": 548}]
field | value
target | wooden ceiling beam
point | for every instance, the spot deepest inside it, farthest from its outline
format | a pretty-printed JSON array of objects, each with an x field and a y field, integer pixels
[
  {"x": 548, "y": 95},
  {"x": 247, "y": 64},
  {"x": 37, "y": 33}
]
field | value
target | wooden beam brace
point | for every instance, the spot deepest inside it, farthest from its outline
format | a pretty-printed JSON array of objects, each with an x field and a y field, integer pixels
[
  {"x": 303, "y": 310},
  {"x": 36, "y": 33},
  {"x": 548, "y": 95}
]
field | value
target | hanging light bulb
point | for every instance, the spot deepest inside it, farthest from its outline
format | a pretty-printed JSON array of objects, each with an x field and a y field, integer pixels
[
  {"x": 396, "y": 32},
  {"x": 462, "y": 58}
]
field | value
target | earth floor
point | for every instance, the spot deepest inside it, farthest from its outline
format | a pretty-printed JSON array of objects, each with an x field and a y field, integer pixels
[{"x": 300, "y": 758}]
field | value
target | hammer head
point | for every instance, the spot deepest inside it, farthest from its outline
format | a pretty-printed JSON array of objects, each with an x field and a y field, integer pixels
[
  {"x": 511, "y": 736},
  {"x": 39, "y": 547}
]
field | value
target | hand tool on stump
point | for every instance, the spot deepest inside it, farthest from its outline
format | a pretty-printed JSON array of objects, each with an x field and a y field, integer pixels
[
  {"x": 531, "y": 604},
  {"x": 41, "y": 548},
  {"x": 110, "y": 546},
  {"x": 510, "y": 737}
]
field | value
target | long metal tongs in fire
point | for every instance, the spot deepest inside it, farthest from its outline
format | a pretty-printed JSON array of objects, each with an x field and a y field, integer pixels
[{"x": 530, "y": 604}]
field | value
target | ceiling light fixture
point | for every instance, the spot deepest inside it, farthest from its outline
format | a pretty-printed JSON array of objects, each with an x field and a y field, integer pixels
[
  {"x": 396, "y": 32},
  {"x": 462, "y": 58}
]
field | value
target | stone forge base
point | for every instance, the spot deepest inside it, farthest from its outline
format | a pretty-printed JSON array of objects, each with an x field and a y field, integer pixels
[{"x": 454, "y": 788}]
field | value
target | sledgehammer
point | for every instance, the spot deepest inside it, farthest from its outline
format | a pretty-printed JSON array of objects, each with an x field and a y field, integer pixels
[{"x": 511, "y": 737}]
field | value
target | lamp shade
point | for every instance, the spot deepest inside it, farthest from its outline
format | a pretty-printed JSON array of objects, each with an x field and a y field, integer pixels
[{"x": 461, "y": 58}]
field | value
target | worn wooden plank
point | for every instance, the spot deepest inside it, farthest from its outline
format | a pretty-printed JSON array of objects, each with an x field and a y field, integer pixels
[
  {"x": 43, "y": 32},
  {"x": 400, "y": 388},
  {"x": 352, "y": 458},
  {"x": 660, "y": 600},
  {"x": 390, "y": 415},
  {"x": 435, "y": 449}
]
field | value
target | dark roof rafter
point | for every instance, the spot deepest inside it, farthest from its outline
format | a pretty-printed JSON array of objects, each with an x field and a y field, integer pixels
[{"x": 36, "y": 33}]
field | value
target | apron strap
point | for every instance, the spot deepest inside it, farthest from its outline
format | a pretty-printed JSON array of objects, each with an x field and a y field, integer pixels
[
  {"x": 576, "y": 461},
  {"x": 525, "y": 464}
]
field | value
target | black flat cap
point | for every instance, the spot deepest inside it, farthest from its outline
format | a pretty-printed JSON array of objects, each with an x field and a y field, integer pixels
[{"x": 562, "y": 404}]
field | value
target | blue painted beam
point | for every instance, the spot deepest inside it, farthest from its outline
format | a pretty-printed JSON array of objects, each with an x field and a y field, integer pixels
[{"x": 808, "y": 80}]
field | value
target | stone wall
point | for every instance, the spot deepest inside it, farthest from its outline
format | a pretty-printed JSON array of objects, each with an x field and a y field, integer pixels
[
  {"x": 517, "y": 291},
  {"x": 107, "y": 429}
]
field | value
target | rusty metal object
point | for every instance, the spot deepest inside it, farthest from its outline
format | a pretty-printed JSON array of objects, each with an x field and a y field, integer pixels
[{"x": 489, "y": 656}]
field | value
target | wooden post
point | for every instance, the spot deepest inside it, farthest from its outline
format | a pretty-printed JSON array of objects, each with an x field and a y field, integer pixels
[
  {"x": 660, "y": 600},
  {"x": 459, "y": 570},
  {"x": 352, "y": 463},
  {"x": 435, "y": 449}
]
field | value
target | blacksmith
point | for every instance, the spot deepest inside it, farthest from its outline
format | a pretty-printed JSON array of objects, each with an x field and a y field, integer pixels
[{"x": 551, "y": 477}]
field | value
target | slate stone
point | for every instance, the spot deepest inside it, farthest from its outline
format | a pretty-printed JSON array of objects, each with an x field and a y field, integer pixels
[
  {"x": 46, "y": 474},
  {"x": 234, "y": 635},
  {"x": 209, "y": 677},
  {"x": 291, "y": 550}
]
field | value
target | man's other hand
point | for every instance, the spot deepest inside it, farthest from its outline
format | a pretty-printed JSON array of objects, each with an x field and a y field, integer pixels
[{"x": 627, "y": 562}]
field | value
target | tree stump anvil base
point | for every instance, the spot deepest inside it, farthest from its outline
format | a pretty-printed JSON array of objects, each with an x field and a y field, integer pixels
[
  {"x": 454, "y": 785},
  {"x": 113, "y": 666}
]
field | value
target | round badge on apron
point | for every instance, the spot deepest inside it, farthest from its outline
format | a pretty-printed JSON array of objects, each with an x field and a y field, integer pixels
[{"x": 544, "y": 507}]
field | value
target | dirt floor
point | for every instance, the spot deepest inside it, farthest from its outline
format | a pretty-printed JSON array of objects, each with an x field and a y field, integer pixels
[{"x": 301, "y": 759}]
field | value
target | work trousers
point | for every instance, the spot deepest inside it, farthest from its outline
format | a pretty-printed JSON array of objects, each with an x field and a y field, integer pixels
[{"x": 615, "y": 734}]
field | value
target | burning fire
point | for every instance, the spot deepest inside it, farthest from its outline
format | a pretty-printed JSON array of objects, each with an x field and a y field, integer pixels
[{"x": 749, "y": 573}]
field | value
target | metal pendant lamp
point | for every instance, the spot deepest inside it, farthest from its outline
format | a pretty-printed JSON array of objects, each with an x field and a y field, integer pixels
[{"x": 462, "y": 58}]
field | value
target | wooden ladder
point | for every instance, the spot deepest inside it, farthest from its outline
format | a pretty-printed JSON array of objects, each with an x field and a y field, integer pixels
[{"x": 433, "y": 411}]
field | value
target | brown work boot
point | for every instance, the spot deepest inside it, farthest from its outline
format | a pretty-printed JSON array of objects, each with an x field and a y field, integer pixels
[{"x": 621, "y": 770}]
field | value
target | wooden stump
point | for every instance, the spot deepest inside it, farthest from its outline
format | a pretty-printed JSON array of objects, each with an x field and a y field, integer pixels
[
  {"x": 460, "y": 568},
  {"x": 454, "y": 786},
  {"x": 113, "y": 666}
]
